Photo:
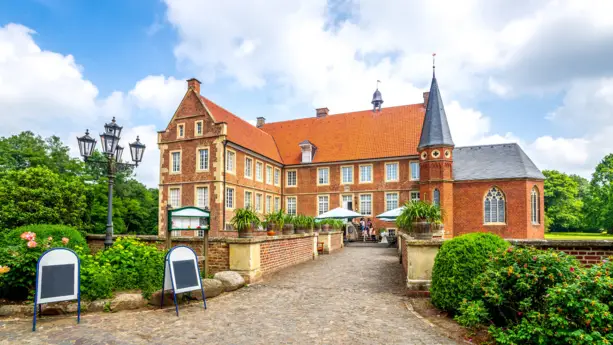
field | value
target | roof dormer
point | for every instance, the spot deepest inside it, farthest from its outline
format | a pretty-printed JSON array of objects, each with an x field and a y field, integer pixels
[{"x": 308, "y": 151}]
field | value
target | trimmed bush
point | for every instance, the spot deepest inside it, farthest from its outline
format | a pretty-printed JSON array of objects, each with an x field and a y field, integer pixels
[{"x": 457, "y": 265}]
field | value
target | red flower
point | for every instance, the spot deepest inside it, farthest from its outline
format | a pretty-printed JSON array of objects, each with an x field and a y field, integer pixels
[{"x": 572, "y": 269}]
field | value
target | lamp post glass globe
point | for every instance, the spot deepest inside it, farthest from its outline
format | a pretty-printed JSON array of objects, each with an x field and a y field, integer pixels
[
  {"x": 136, "y": 150},
  {"x": 118, "y": 153},
  {"x": 86, "y": 144},
  {"x": 113, "y": 128},
  {"x": 109, "y": 143}
]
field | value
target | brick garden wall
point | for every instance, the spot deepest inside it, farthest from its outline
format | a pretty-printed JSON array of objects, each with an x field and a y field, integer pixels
[
  {"x": 278, "y": 254},
  {"x": 336, "y": 241},
  {"x": 588, "y": 252},
  {"x": 219, "y": 256}
]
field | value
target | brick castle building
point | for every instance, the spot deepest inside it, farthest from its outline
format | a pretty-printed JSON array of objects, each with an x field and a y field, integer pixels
[{"x": 211, "y": 157}]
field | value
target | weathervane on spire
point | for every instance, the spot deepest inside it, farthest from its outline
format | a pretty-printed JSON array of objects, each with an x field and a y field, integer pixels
[{"x": 433, "y": 64}]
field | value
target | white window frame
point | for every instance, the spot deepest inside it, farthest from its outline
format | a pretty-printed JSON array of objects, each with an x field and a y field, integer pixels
[
  {"x": 198, "y": 159},
  {"x": 343, "y": 176},
  {"x": 259, "y": 209},
  {"x": 232, "y": 167},
  {"x": 287, "y": 179},
  {"x": 233, "y": 199},
  {"x": 387, "y": 194},
  {"x": 340, "y": 199},
  {"x": 287, "y": 209},
  {"x": 172, "y": 162},
  {"x": 327, "y": 196},
  {"x": 277, "y": 177},
  {"x": 535, "y": 205},
  {"x": 327, "y": 175},
  {"x": 371, "y": 173},
  {"x": 397, "y": 164},
  {"x": 372, "y": 211},
  {"x": 197, "y": 197},
  {"x": 411, "y": 171},
  {"x": 412, "y": 194},
  {"x": 196, "y": 128},
  {"x": 250, "y": 165},
  {"x": 277, "y": 203},
  {"x": 268, "y": 203},
  {"x": 504, "y": 198},
  {"x": 261, "y": 164},
  {"x": 250, "y": 198},
  {"x": 269, "y": 172},
  {"x": 181, "y": 130},
  {"x": 169, "y": 201}
]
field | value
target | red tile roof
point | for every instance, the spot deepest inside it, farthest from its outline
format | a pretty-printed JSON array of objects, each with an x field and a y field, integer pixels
[
  {"x": 243, "y": 133},
  {"x": 393, "y": 132}
]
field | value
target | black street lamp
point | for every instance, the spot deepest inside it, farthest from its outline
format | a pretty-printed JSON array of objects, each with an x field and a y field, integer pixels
[{"x": 113, "y": 151}]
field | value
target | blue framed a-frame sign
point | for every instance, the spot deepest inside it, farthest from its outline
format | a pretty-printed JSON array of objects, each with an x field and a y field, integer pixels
[
  {"x": 181, "y": 274},
  {"x": 58, "y": 279}
]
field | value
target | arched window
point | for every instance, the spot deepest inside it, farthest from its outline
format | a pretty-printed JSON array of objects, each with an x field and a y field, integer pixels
[
  {"x": 436, "y": 197},
  {"x": 534, "y": 206},
  {"x": 493, "y": 207}
]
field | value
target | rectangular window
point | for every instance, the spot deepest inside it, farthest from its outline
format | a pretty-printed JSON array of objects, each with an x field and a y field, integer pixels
[
  {"x": 248, "y": 198},
  {"x": 258, "y": 202},
  {"x": 198, "y": 127},
  {"x": 229, "y": 197},
  {"x": 268, "y": 174},
  {"x": 323, "y": 204},
  {"x": 203, "y": 159},
  {"x": 347, "y": 202},
  {"x": 259, "y": 171},
  {"x": 347, "y": 174},
  {"x": 366, "y": 173},
  {"x": 292, "y": 178},
  {"x": 180, "y": 131},
  {"x": 291, "y": 205},
  {"x": 277, "y": 203},
  {"x": 414, "y": 167},
  {"x": 366, "y": 204},
  {"x": 391, "y": 172},
  {"x": 414, "y": 196},
  {"x": 248, "y": 167},
  {"x": 174, "y": 197},
  {"x": 176, "y": 162},
  {"x": 230, "y": 160},
  {"x": 277, "y": 177},
  {"x": 323, "y": 176},
  {"x": 202, "y": 197},
  {"x": 268, "y": 204},
  {"x": 391, "y": 201}
]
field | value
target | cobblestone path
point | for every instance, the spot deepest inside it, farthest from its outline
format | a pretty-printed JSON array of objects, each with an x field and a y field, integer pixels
[{"x": 354, "y": 296}]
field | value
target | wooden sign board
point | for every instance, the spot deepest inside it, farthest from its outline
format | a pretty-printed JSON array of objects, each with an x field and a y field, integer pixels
[
  {"x": 181, "y": 273},
  {"x": 57, "y": 279}
]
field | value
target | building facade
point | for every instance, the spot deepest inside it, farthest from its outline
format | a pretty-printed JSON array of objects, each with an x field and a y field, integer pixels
[{"x": 370, "y": 161}]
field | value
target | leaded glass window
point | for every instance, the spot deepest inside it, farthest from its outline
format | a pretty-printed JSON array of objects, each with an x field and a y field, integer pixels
[{"x": 493, "y": 207}]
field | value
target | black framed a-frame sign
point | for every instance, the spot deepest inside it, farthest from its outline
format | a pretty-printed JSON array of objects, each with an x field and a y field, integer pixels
[{"x": 190, "y": 218}]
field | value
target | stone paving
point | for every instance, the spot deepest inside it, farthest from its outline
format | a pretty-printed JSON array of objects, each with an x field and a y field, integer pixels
[{"x": 354, "y": 296}]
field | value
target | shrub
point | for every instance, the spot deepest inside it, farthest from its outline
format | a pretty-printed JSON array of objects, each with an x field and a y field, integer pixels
[
  {"x": 515, "y": 282},
  {"x": 96, "y": 280},
  {"x": 577, "y": 312},
  {"x": 134, "y": 265},
  {"x": 20, "y": 250},
  {"x": 457, "y": 264}
]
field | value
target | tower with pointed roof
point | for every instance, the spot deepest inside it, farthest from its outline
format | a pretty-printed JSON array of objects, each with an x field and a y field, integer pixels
[{"x": 436, "y": 157}]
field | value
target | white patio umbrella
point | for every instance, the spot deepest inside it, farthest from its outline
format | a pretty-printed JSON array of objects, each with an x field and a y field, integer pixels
[
  {"x": 338, "y": 213},
  {"x": 390, "y": 215}
]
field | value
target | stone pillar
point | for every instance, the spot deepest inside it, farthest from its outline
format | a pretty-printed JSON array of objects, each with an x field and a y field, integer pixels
[
  {"x": 315, "y": 252},
  {"x": 245, "y": 259},
  {"x": 419, "y": 262},
  {"x": 325, "y": 238}
]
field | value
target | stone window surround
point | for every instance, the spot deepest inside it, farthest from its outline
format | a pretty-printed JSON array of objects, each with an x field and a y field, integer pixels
[
  {"x": 372, "y": 208},
  {"x": 208, "y": 192},
  {"x": 386, "y": 193},
  {"x": 287, "y": 178},
  {"x": 180, "y": 129},
  {"x": 269, "y": 174},
  {"x": 245, "y": 198},
  {"x": 248, "y": 164},
  {"x": 180, "y": 189},
  {"x": 317, "y": 203},
  {"x": 535, "y": 206},
  {"x": 233, "y": 198},
  {"x": 340, "y": 199},
  {"x": 397, "y": 164},
  {"x": 295, "y": 198},
  {"x": 411, "y": 171},
  {"x": 342, "y": 176},
  {"x": 371, "y": 173},
  {"x": 277, "y": 177},
  {"x": 171, "y": 162},
  {"x": 261, "y": 164},
  {"x": 233, "y": 171},
  {"x": 208, "y": 154},
  {"x": 201, "y": 122},
  {"x": 277, "y": 203},
  {"x": 255, "y": 202},
  {"x": 327, "y": 183},
  {"x": 504, "y": 197}
]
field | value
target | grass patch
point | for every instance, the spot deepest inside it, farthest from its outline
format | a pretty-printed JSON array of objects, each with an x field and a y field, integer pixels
[{"x": 577, "y": 236}]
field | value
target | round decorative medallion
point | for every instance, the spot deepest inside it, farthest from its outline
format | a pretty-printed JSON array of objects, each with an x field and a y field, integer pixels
[
  {"x": 424, "y": 155},
  {"x": 447, "y": 153},
  {"x": 436, "y": 154}
]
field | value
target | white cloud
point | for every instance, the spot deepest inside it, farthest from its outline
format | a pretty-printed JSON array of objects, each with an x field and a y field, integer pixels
[{"x": 159, "y": 93}]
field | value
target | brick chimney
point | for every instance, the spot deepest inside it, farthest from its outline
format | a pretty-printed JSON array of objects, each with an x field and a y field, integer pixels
[
  {"x": 322, "y": 112},
  {"x": 194, "y": 84},
  {"x": 261, "y": 122},
  {"x": 426, "y": 95}
]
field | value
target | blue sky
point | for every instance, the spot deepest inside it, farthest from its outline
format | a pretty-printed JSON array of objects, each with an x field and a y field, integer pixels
[{"x": 508, "y": 72}]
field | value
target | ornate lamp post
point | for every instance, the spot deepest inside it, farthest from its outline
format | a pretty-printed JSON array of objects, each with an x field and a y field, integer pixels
[{"x": 111, "y": 149}]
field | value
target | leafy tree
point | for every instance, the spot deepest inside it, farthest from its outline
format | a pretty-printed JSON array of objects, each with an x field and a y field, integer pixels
[
  {"x": 562, "y": 203},
  {"x": 38, "y": 195},
  {"x": 599, "y": 202}
]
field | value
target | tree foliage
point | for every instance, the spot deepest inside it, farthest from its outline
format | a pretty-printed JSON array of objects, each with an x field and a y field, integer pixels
[
  {"x": 563, "y": 206},
  {"x": 599, "y": 201}
]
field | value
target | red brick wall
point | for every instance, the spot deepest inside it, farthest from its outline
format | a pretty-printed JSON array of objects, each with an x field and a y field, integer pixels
[
  {"x": 588, "y": 252},
  {"x": 219, "y": 256},
  {"x": 278, "y": 254},
  {"x": 468, "y": 208}
]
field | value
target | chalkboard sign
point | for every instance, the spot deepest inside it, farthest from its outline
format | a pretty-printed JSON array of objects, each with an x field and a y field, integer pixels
[
  {"x": 181, "y": 273},
  {"x": 57, "y": 279}
]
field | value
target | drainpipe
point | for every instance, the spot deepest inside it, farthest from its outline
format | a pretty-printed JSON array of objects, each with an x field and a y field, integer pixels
[{"x": 223, "y": 198}]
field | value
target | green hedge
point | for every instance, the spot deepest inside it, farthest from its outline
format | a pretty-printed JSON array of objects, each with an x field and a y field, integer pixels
[
  {"x": 457, "y": 264},
  {"x": 44, "y": 231}
]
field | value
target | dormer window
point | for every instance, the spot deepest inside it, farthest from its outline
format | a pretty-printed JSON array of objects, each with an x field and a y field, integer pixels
[{"x": 308, "y": 151}]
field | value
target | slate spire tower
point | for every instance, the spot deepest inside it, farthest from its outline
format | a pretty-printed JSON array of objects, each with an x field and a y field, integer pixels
[{"x": 436, "y": 156}]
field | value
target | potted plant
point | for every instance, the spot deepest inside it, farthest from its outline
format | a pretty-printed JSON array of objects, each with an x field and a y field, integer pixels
[
  {"x": 418, "y": 217},
  {"x": 325, "y": 225},
  {"x": 337, "y": 224},
  {"x": 274, "y": 222},
  {"x": 310, "y": 223},
  {"x": 288, "y": 224},
  {"x": 244, "y": 221}
]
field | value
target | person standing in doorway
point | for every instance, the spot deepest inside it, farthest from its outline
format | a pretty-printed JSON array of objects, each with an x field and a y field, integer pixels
[
  {"x": 363, "y": 229},
  {"x": 371, "y": 230}
]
